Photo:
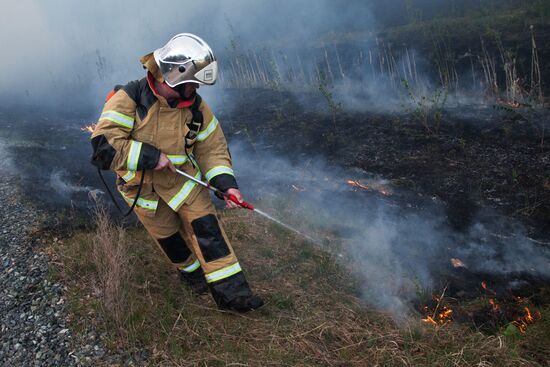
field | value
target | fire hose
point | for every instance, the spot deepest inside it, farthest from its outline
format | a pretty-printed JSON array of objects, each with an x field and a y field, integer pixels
[{"x": 243, "y": 204}]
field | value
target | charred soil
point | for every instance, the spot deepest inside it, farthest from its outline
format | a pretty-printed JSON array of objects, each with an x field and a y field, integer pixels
[{"x": 480, "y": 158}]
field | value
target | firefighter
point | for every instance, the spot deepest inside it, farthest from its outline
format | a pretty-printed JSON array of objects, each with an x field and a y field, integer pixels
[{"x": 151, "y": 126}]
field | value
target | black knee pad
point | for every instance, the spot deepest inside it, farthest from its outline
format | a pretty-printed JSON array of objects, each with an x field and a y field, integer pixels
[
  {"x": 175, "y": 248},
  {"x": 209, "y": 235}
]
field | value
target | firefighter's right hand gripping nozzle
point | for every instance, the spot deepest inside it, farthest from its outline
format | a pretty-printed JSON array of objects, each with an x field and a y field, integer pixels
[{"x": 244, "y": 204}]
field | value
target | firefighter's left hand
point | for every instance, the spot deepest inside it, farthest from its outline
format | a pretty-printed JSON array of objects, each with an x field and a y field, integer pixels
[{"x": 228, "y": 203}]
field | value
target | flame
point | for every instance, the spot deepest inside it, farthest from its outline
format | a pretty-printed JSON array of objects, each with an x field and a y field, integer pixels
[
  {"x": 374, "y": 186},
  {"x": 89, "y": 128},
  {"x": 457, "y": 263},
  {"x": 439, "y": 319},
  {"x": 522, "y": 321},
  {"x": 429, "y": 320},
  {"x": 528, "y": 317}
]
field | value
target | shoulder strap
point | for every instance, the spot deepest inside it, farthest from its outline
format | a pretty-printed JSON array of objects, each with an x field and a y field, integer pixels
[{"x": 194, "y": 125}]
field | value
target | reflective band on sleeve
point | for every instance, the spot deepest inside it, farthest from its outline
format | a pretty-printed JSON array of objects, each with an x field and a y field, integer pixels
[
  {"x": 129, "y": 176},
  {"x": 184, "y": 192},
  {"x": 177, "y": 159},
  {"x": 118, "y": 117},
  {"x": 133, "y": 156},
  {"x": 218, "y": 170},
  {"x": 142, "y": 203},
  {"x": 209, "y": 129},
  {"x": 223, "y": 273},
  {"x": 191, "y": 268}
]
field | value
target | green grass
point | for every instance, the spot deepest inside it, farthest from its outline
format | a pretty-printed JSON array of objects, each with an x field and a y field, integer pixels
[{"x": 311, "y": 317}]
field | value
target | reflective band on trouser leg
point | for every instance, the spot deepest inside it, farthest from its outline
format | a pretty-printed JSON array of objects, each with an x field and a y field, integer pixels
[
  {"x": 119, "y": 118},
  {"x": 204, "y": 134},
  {"x": 191, "y": 268},
  {"x": 184, "y": 192},
  {"x": 223, "y": 273},
  {"x": 142, "y": 203},
  {"x": 133, "y": 156},
  {"x": 218, "y": 170}
]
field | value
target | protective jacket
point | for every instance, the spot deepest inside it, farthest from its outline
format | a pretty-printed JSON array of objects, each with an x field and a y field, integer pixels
[{"x": 137, "y": 124}]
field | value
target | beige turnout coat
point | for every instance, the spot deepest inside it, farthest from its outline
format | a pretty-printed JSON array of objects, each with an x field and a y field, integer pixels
[{"x": 136, "y": 124}]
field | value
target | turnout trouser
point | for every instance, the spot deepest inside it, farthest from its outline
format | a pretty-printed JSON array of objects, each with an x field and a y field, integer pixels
[{"x": 192, "y": 238}]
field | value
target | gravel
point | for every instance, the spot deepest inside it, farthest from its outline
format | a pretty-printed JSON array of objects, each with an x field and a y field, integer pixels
[{"x": 34, "y": 327}]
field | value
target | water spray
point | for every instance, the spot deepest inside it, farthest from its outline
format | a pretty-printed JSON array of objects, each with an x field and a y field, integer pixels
[{"x": 244, "y": 204}]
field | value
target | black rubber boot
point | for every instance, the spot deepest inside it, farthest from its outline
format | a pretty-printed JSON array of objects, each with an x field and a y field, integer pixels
[
  {"x": 195, "y": 280},
  {"x": 234, "y": 294}
]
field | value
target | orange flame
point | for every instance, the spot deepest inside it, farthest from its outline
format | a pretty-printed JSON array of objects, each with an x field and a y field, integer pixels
[
  {"x": 89, "y": 128},
  {"x": 522, "y": 321},
  {"x": 429, "y": 320},
  {"x": 457, "y": 263},
  {"x": 440, "y": 318},
  {"x": 376, "y": 187}
]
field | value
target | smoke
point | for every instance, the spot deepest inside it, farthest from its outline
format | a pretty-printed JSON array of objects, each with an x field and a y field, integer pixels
[
  {"x": 62, "y": 185},
  {"x": 395, "y": 250},
  {"x": 68, "y": 54},
  {"x": 65, "y": 52}
]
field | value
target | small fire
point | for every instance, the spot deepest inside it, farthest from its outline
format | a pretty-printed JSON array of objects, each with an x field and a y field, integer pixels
[
  {"x": 457, "y": 263},
  {"x": 522, "y": 321},
  {"x": 429, "y": 320},
  {"x": 373, "y": 186},
  {"x": 438, "y": 318},
  {"x": 511, "y": 104},
  {"x": 89, "y": 128}
]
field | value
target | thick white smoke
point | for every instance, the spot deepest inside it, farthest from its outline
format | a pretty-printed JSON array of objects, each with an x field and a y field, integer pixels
[
  {"x": 396, "y": 251},
  {"x": 65, "y": 51}
]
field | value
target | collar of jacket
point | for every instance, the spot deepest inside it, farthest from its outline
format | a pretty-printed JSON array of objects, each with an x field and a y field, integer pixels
[{"x": 182, "y": 103}]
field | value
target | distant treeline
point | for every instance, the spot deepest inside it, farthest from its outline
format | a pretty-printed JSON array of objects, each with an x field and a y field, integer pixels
[{"x": 401, "y": 12}]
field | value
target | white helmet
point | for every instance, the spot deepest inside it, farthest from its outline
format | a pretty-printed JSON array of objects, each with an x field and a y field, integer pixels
[{"x": 186, "y": 58}]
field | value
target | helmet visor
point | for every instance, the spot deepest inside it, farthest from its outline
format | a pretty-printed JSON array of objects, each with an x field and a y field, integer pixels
[{"x": 187, "y": 58}]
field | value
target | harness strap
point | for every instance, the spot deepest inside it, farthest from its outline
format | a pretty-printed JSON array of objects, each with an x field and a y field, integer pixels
[{"x": 194, "y": 125}]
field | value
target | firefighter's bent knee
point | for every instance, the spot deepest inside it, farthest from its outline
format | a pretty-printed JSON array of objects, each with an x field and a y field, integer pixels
[
  {"x": 210, "y": 238},
  {"x": 175, "y": 248}
]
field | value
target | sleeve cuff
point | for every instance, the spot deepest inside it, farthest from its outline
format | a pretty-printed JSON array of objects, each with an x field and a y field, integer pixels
[
  {"x": 148, "y": 157},
  {"x": 224, "y": 182}
]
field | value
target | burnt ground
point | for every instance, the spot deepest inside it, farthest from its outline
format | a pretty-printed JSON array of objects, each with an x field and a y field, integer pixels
[
  {"x": 480, "y": 162},
  {"x": 481, "y": 157},
  {"x": 486, "y": 161}
]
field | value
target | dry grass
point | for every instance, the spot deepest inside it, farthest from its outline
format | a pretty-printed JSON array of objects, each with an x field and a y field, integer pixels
[
  {"x": 311, "y": 317},
  {"x": 110, "y": 255}
]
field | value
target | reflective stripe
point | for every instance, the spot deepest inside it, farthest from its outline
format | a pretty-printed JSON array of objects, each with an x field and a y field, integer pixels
[
  {"x": 191, "y": 268},
  {"x": 209, "y": 129},
  {"x": 218, "y": 170},
  {"x": 129, "y": 176},
  {"x": 184, "y": 192},
  {"x": 223, "y": 273},
  {"x": 142, "y": 203},
  {"x": 177, "y": 159},
  {"x": 119, "y": 118},
  {"x": 133, "y": 156}
]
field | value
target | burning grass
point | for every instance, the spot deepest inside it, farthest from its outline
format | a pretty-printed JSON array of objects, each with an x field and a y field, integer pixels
[{"x": 313, "y": 316}]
